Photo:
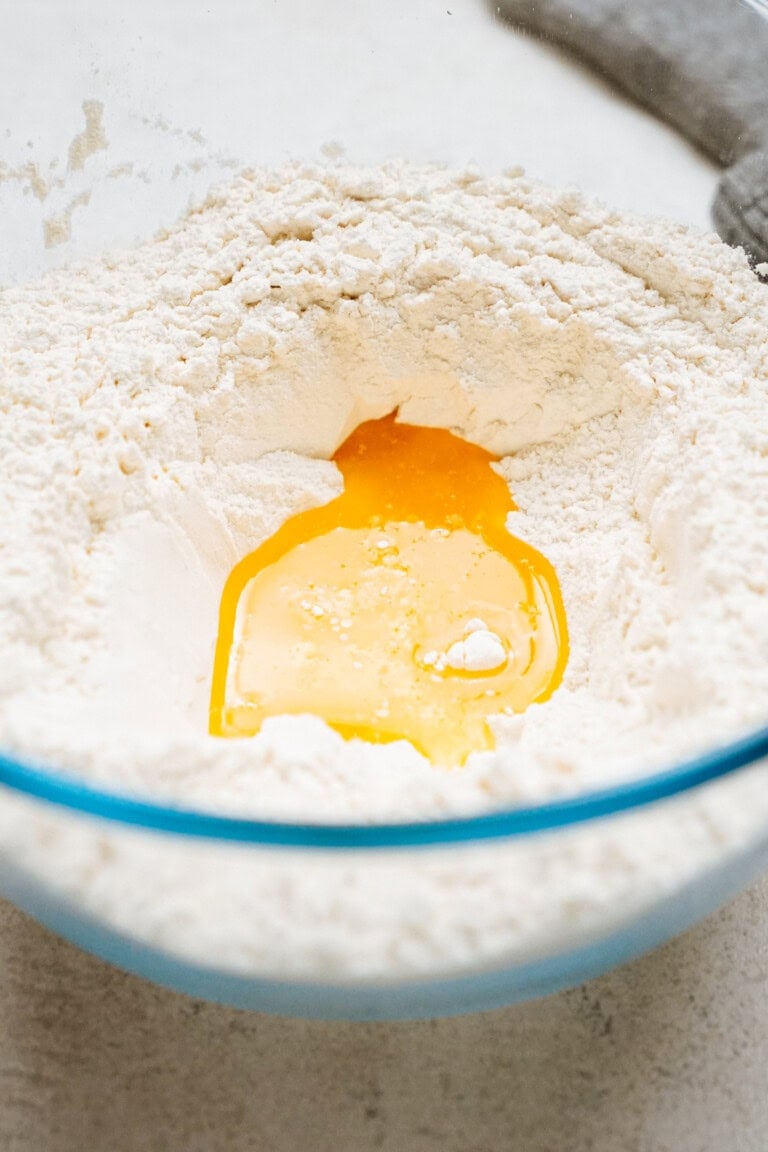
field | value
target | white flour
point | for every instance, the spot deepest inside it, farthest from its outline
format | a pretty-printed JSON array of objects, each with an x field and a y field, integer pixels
[{"x": 166, "y": 409}]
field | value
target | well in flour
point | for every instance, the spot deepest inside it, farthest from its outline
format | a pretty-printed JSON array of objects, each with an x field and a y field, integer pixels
[{"x": 371, "y": 634}]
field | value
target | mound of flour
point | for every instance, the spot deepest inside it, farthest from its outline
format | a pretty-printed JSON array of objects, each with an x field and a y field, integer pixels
[{"x": 166, "y": 409}]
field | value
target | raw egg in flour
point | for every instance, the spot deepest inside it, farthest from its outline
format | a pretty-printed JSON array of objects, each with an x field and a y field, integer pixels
[{"x": 404, "y": 609}]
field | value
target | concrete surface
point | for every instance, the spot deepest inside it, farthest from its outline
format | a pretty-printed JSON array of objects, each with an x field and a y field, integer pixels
[{"x": 669, "y": 1054}]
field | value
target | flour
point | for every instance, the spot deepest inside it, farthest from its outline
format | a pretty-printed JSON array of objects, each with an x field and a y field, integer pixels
[
  {"x": 166, "y": 409},
  {"x": 92, "y": 139},
  {"x": 480, "y": 651}
]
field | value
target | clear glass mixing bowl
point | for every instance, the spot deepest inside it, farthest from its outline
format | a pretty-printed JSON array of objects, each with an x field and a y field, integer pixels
[
  {"x": 186, "y": 880},
  {"x": 189, "y": 94}
]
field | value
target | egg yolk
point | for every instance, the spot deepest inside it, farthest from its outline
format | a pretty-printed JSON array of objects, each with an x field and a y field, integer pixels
[{"x": 403, "y": 609}]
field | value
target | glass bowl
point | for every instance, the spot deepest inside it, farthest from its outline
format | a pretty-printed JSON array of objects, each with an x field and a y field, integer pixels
[{"x": 160, "y": 890}]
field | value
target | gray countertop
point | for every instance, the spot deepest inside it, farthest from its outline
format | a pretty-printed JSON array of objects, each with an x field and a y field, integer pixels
[{"x": 669, "y": 1054}]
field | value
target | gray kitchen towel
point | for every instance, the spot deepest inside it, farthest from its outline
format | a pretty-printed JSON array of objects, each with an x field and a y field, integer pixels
[{"x": 700, "y": 65}]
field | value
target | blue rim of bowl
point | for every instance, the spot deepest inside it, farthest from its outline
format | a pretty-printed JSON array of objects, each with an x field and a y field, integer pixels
[{"x": 504, "y": 823}]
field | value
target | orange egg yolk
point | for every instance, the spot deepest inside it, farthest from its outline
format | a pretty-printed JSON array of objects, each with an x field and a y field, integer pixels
[{"x": 403, "y": 609}]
